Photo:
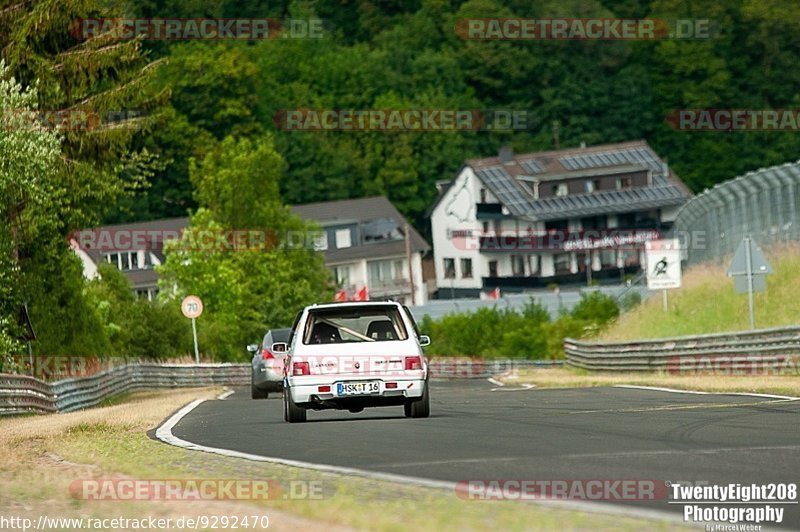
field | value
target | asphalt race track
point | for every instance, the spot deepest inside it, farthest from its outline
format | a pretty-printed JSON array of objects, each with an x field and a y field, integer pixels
[{"x": 479, "y": 431}]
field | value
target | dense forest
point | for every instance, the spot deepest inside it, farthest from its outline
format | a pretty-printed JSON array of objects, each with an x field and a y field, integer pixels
[
  {"x": 406, "y": 54},
  {"x": 189, "y": 127}
]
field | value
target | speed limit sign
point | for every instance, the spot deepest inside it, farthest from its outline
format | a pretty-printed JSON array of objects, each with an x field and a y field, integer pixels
[{"x": 192, "y": 307}]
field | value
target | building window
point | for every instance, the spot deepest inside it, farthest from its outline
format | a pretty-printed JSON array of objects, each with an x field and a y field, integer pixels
[
  {"x": 449, "y": 268},
  {"x": 343, "y": 238},
  {"x": 589, "y": 186},
  {"x": 341, "y": 275},
  {"x": 624, "y": 182},
  {"x": 483, "y": 195},
  {"x": 517, "y": 265},
  {"x": 380, "y": 272},
  {"x": 594, "y": 222},
  {"x": 630, "y": 257},
  {"x": 399, "y": 270},
  {"x": 533, "y": 264},
  {"x": 561, "y": 263},
  {"x": 320, "y": 240},
  {"x": 560, "y": 190},
  {"x": 485, "y": 227},
  {"x": 608, "y": 257},
  {"x": 466, "y": 268},
  {"x": 492, "y": 268}
]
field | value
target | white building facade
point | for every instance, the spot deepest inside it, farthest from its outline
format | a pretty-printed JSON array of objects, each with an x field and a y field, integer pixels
[{"x": 561, "y": 217}]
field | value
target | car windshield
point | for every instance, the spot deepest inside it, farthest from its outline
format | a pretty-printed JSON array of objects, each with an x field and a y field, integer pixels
[{"x": 363, "y": 324}]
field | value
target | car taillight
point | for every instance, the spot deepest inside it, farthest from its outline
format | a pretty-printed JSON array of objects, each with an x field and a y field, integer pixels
[
  {"x": 266, "y": 354},
  {"x": 300, "y": 368},
  {"x": 413, "y": 363}
]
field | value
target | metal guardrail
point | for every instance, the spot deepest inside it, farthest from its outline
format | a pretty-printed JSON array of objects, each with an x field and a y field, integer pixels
[
  {"x": 764, "y": 345},
  {"x": 21, "y": 394}
]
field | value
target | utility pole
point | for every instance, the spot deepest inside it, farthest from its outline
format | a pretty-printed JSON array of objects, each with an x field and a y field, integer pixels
[
  {"x": 556, "y": 139},
  {"x": 407, "y": 231}
]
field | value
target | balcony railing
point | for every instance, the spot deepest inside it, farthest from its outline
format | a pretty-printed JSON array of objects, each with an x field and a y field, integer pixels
[{"x": 561, "y": 241}]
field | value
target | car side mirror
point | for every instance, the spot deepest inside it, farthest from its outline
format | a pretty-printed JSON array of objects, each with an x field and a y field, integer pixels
[
  {"x": 252, "y": 348},
  {"x": 279, "y": 347},
  {"x": 424, "y": 340}
]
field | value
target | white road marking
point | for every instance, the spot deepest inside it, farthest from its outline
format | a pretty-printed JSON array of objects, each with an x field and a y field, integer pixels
[
  {"x": 522, "y": 389},
  {"x": 682, "y": 451},
  {"x": 697, "y": 392},
  {"x": 495, "y": 381},
  {"x": 164, "y": 433},
  {"x": 457, "y": 461},
  {"x": 225, "y": 395}
]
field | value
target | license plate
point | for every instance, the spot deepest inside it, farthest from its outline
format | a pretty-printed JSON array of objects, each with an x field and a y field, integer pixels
[{"x": 357, "y": 388}]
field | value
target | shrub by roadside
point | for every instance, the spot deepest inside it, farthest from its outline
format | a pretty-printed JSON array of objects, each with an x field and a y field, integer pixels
[{"x": 531, "y": 334}]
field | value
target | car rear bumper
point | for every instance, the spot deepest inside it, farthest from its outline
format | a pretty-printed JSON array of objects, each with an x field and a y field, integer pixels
[
  {"x": 305, "y": 391},
  {"x": 266, "y": 378}
]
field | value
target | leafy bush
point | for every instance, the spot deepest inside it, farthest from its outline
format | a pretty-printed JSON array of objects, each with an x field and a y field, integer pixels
[
  {"x": 133, "y": 327},
  {"x": 596, "y": 307},
  {"x": 630, "y": 301},
  {"x": 531, "y": 334}
]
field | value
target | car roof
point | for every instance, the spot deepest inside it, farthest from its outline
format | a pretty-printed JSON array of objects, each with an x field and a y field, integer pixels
[
  {"x": 345, "y": 304},
  {"x": 280, "y": 335}
]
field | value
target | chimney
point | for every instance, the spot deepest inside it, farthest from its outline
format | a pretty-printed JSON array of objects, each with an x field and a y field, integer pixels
[
  {"x": 583, "y": 145},
  {"x": 506, "y": 155}
]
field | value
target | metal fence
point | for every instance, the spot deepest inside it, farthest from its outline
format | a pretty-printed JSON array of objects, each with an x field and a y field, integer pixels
[
  {"x": 565, "y": 299},
  {"x": 21, "y": 393},
  {"x": 763, "y": 204},
  {"x": 768, "y": 348}
]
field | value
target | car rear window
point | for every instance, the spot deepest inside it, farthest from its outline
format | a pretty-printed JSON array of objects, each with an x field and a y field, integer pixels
[{"x": 354, "y": 324}]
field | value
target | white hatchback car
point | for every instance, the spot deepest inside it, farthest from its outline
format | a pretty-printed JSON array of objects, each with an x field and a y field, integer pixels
[{"x": 349, "y": 356}]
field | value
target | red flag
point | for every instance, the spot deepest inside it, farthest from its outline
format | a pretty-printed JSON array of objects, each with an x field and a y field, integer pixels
[
  {"x": 361, "y": 295},
  {"x": 493, "y": 295},
  {"x": 341, "y": 295}
]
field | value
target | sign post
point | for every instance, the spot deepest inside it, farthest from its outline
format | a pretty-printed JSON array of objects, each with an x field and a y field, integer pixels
[
  {"x": 663, "y": 263},
  {"x": 192, "y": 307},
  {"x": 749, "y": 269}
]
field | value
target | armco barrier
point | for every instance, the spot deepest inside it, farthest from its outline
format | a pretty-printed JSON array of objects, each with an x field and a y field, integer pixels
[
  {"x": 21, "y": 393},
  {"x": 655, "y": 355}
]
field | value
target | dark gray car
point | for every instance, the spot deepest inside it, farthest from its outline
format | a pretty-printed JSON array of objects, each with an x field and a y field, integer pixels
[{"x": 267, "y": 367}]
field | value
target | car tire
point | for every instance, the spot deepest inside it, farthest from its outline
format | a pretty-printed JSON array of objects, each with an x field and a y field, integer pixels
[
  {"x": 255, "y": 393},
  {"x": 420, "y": 407},
  {"x": 291, "y": 411}
]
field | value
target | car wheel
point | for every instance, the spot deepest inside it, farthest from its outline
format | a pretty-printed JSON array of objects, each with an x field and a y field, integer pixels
[
  {"x": 292, "y": 412},
  {"x": 420, "y": 407},
  {"x": 255, "y": 393}
]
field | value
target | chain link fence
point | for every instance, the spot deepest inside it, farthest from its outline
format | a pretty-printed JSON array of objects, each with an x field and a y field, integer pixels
[{"x": 762, "y": 204}]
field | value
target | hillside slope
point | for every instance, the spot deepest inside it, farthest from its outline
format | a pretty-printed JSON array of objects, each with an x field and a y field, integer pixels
[{"x": 707, "y": 302}]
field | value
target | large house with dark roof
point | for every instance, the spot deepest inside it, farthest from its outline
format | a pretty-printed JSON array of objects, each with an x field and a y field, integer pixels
[
  {"x": 134, "y": 248},
  {"x": 364, "y": 241},
  {"x": 565, "y": 216}
]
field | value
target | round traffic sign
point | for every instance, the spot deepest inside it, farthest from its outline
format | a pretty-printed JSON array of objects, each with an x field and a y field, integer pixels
[{"x": 192, "y": 306}]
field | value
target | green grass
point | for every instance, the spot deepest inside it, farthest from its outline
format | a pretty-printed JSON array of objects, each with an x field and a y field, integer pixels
[{"x": 708, "y": 303}]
